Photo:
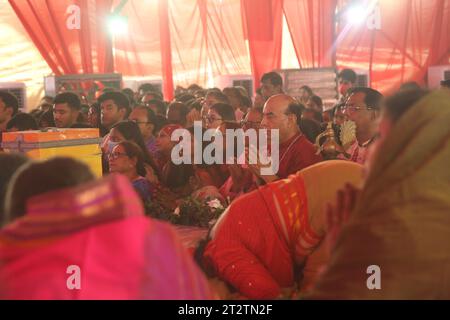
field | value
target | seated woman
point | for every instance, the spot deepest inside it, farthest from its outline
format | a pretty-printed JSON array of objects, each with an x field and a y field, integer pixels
[
  {"x": 240, "y": 180},
  {"x": 205, "y": 174},
  {"x": 175, "y": 177},
  {"x": 218, "y": 113},
  {"x": 266, "y": 235},
  {"x": 222, "y": 181},
  {"x": 129, "y": 131},
  {"x": 235, "y": 97},
  {"x": 126, "y": 158},
  {"x": 399, "y": 228},
  {"x": 88, "y": 241}
]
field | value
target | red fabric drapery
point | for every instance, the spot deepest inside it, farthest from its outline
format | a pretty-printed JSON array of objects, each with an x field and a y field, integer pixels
[
  {"x": 196, "y": 40},
  {"x": 189, "y": 56},
  {"x": 138, "y": 52},
  {"x": 224, "y": 39},
  {"x": 263, "y": 27},
  {"x": 166, "y": 51},
  {"x": 66, "y": 49},
  {"x": 411, "y": 36},
  {"x": 206, "y": 40},
  {"x": 311, "y": 25}
]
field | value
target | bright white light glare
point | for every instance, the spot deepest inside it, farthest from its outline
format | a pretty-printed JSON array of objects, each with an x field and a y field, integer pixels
[
  {"x": 356, "y": 14},
  {"x": 118, "y": 25}
]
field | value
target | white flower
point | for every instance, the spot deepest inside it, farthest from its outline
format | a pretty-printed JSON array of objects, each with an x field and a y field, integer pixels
[
  {"x": 214, "y": 204},
  {"x": 177, "y": 211}
]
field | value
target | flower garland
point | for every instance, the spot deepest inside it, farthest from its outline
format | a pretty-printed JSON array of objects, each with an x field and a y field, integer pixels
[{"x": 189, "y": 211}]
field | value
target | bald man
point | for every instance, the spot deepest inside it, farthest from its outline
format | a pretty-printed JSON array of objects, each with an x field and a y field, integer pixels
[{"x": 295, "y": 151}]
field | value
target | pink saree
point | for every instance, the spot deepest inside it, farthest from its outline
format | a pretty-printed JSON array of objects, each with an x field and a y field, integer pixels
[{"x": 100, "y": 228}]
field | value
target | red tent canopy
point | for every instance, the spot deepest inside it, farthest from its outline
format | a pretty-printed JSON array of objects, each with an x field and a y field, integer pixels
[{"x": 192, "y": 41}]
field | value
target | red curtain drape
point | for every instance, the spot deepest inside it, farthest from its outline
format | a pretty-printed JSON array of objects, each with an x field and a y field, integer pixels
[
  {"x": 193, "y": 41},
  {"x": 410, "y": 36},
  {"x": 263, "y": 27},
  {"x": 68, "y": 50},
  {"x": 166, "y": 51},
  {"x": 311, "y": 25},
  {"x": 206, "y": 40},
  {"x": 224, "y": 39},
  {"x": 138, "y": 52},
  {"x": 189, "y": 55}
]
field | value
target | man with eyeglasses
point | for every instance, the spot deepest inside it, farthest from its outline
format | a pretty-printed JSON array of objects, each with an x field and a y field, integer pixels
[
  {"x": 363, "y": 108},
  {"x": 295, "y": 150}
]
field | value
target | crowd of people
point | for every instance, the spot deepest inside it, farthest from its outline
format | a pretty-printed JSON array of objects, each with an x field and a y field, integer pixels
[{"x": 308, "y": 230}]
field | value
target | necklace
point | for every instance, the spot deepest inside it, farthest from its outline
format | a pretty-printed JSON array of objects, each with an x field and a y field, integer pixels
[{"x": 290, "y": 146}]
